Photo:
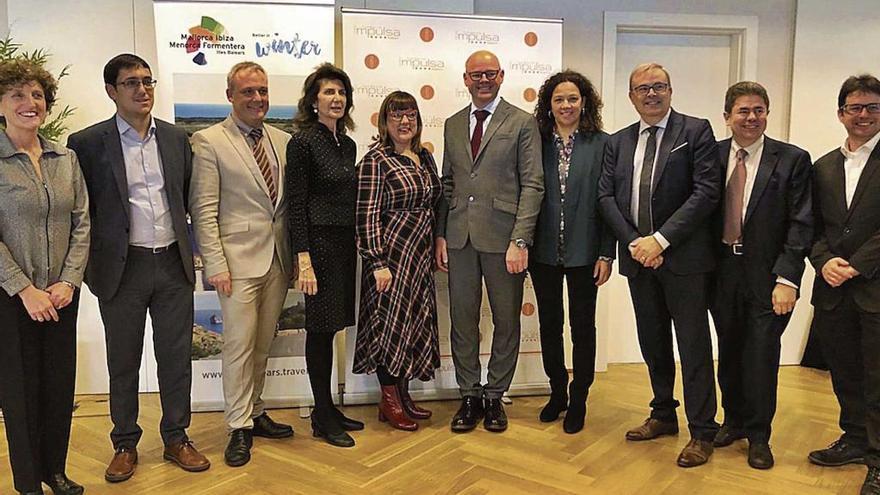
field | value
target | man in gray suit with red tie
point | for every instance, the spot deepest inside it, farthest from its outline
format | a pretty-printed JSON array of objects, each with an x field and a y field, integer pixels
[{"x": 493, "y": 184}]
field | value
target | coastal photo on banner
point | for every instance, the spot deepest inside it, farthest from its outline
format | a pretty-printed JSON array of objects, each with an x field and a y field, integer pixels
[
  {"x": 424, "y": 54},
  {"x": 197, "y": 44}
]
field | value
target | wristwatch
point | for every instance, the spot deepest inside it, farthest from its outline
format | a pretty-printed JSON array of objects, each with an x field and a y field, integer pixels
[
  {"x": 65, "y": 282},
  {"x": 521, "y": 243}
]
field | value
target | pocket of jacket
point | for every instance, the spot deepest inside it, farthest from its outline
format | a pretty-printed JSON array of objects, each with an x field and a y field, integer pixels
[
  {"x": 234, "y": 228},
  {"x": 504, "y": 206}
]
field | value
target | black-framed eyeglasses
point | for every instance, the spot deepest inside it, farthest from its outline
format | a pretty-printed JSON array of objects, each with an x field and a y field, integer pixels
[
  {"x": 856, "y": 108},
  {"x": 659, "y": 88},
  {"x": 133, "y": 83},
  {"x": 411, "y": 115},
  {"x": 478, "y": 75}
]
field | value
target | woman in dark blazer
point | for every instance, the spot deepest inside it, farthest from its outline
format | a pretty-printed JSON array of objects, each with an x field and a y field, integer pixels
[{"x": 571, "y": 241}]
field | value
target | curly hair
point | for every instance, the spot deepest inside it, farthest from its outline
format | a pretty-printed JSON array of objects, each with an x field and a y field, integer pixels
[
  {"x": 395, "y": 102},
  {"x": 591, "y": 118},
  {"x": 306, "y": 117},
  {"x": 18, "y": 71}
]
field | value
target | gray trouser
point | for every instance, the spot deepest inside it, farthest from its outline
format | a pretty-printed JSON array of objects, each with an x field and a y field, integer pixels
[{"x": 467, "y": 269}]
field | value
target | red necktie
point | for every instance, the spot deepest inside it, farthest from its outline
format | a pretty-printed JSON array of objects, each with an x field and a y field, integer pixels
[
  {"x": 263, "y": 162},
  {"x": 733, "y": 200},
  {"x": 477, "y": 136}
]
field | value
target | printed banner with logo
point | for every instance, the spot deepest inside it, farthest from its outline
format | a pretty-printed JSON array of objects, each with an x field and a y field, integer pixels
[
  {"x": 424, "y": 54},
  {"x": 197, "y": 44}
]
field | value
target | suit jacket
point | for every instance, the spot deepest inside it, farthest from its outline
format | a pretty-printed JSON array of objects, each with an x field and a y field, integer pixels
[
  {"x": 587, "y": 236},
  {"x": 496, "y": 197},
  {"x": 851, "y": 233},
  {"x": 237, "y": 228},
  {"x": 99, "y": 149},
  {"x": 686, "y": 190},
  {"x": 778, "y": 227}
]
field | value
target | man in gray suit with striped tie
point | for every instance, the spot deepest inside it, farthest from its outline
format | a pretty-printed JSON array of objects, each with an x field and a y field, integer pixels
[{"x": 493, "y": 184}]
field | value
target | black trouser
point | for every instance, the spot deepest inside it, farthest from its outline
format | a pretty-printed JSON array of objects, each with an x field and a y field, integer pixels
[
  {"x": 749, "y": 334},
  {"x": 661, "y": 298},
  {"x": 158, "y": 283},
  {"x": 547, "y": 281},
  {"x": 319, "y": 362},
  {"x": 37, "y": 379},
  {"x": 851, "y": 340}
]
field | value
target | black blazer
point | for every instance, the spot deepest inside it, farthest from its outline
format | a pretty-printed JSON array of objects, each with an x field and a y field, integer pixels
[
  {"x": 852, "y": 234},
  {"x": 587, "y": 236},
  {"x": 100, "y": 155},
  {"x": 686, "y": 190},
  {"x": 778, "y": 227}
]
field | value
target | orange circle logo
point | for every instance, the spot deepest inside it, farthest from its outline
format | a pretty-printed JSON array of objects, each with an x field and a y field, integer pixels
[
  {"x": 428, "y": 146},
  {"x": 531, "y": 39},
  {"x": 426, "y": 34},
  {"x": 530, "y": 95},
  {"x": 371, "y": 61},
  {"x": 528, "y": 309},
  {"x": 427, "y": 92},
  {"x": 374, "y": 119}
]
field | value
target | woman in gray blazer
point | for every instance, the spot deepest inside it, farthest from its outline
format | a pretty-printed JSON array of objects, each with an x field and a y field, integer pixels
[
  {"x": 44, "y": 246},
  {"x": 571, "y": 241}
]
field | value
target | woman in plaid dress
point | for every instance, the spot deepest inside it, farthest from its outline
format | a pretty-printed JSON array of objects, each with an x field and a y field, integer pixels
[{"x": 398, "y": 189}]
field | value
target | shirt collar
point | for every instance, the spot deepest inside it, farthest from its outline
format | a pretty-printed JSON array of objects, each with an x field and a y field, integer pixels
[
  {"x": 751, "y": 149},
  {"x": 123, "y": 126},
  {"x": 866, "y": 148},
  {"x": 246, "y": 129},
  {"x": 662, "y": 124},
  {"x": 8, "y": 150},
  {"x": 489, "y": 108}
]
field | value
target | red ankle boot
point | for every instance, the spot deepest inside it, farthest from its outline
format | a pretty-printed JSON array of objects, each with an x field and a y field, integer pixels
[
  {"x": 412, "y": 410},
  {"x": 391, "y": 410}
]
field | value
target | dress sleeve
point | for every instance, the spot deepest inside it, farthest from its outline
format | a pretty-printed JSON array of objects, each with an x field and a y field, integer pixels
[
  {"x": 371, "y": 180},
  {"x": 299, "y": 163}
]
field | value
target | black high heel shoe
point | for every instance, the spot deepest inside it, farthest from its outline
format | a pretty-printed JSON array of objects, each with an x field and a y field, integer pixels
[
  {"x": 326, "y": 426},
  {"x": 347, "y": 423}
]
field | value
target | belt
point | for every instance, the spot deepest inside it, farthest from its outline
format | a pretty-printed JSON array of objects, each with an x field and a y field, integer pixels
[
  {"x": 154, "y": 250},
  {"x": 735, "y": 249}
]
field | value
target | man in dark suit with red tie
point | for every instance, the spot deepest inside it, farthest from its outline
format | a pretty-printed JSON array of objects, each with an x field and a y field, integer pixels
[
  {"x": 661, "y": 180},
  {"x": 765, "y": 228},
  {"x": 846, "y": 293}
]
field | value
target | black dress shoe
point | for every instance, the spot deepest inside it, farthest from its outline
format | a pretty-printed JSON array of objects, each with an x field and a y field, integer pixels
[
  {"x": 872, "y": 482},
  {"x": 838, "y": 453},
  {"x": 238, "y": 451},
  {"x": 60, "y": 484},
  {"x": 574, "y": 418},
  {"x": 553, "y": 408},
  {"x": 326, "y": 425},
  {"x": 760, "y": 456},
  {"x": 727, "y": 435},
  {"x": 347, "y": 423},
  {"x": 496, "y": 420},
  {"x": 469, "y": 414},
  {"x": 265, "y": 427}
]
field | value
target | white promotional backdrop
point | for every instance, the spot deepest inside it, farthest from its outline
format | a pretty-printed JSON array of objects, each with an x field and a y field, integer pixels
[
  {"x": 424, "y": 54},
  {"x": 197, "y": 43}
]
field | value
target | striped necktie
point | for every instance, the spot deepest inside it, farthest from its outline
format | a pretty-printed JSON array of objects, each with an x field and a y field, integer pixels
[{"x": 263, "y": 162}]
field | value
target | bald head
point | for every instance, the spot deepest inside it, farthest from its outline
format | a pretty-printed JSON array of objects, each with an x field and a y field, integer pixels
[{"x": 483, "y": 77}]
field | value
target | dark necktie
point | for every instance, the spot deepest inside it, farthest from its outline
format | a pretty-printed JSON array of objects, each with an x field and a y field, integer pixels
[
  {"x": 477, "y": 136},
  {"x": 644, "y": 220},
  {"x": 734, "y": 197},
  {"x": 263, "y": 162}
]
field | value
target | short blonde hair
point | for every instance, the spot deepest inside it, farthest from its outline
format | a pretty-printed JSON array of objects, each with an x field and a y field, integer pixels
[{"x": 647, "y": 67}]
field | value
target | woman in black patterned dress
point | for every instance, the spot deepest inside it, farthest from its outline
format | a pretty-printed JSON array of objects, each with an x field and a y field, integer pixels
[
  {"x": 322, "y": 190},
  {"x": 398, "y": 189}
]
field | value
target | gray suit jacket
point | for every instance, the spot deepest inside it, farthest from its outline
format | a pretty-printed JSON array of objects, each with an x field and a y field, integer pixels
[
  {"x": 496, "y": 197},
  {"x": 237, "y": 228}
]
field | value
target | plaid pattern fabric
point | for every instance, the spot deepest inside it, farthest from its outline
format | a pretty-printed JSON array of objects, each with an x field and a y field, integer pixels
[{"x": 397, "y": 329}]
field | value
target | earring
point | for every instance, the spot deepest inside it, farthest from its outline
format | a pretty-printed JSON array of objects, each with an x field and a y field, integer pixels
[
  {"x": 583, "y": 110},
  {"x": 550, "y": 114},
  {"x": 315, "y": 109}
]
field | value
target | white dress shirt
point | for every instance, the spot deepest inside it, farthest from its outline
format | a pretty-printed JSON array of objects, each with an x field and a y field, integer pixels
[
  {"x": 473, "y": 119},
  {"x": 854, "y": 163},
  {"x": 637, "y": 167}
]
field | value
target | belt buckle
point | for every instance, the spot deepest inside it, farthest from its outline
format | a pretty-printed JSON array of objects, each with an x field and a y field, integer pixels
[
  {"x": 159, "y": 250},
  {"x": 736, "y": 248}
]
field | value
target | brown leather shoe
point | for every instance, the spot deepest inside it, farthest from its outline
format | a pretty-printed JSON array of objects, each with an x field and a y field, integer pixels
[
  {"x": 122, "y": 466},
  {"x": 695, "y": 453},
  {"x": 185, "y": 455},
  {"x": 652, "y": 428}
]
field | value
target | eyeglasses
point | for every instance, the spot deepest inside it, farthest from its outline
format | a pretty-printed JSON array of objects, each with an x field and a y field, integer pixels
[
  {"x": 398, "y": 116},
  {"x": 133, "y": 83},
  {"x": 477, "y": 75},
  {"x": 659, "y": 88},
  {"x": 251, "y": 92},
  {"x": 856, "y": 108}
]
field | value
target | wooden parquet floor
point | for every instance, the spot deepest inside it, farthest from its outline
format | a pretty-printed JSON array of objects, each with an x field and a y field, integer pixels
[{"x": 530, "y": 458}]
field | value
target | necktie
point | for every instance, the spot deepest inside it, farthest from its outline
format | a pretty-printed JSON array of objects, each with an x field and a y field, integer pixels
[
  {"x": 263, "y": 162},
  {"x": 644, "y": 221},
  {"x": 477, "y": 136},
  {"x": 734, "y": 197}
]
